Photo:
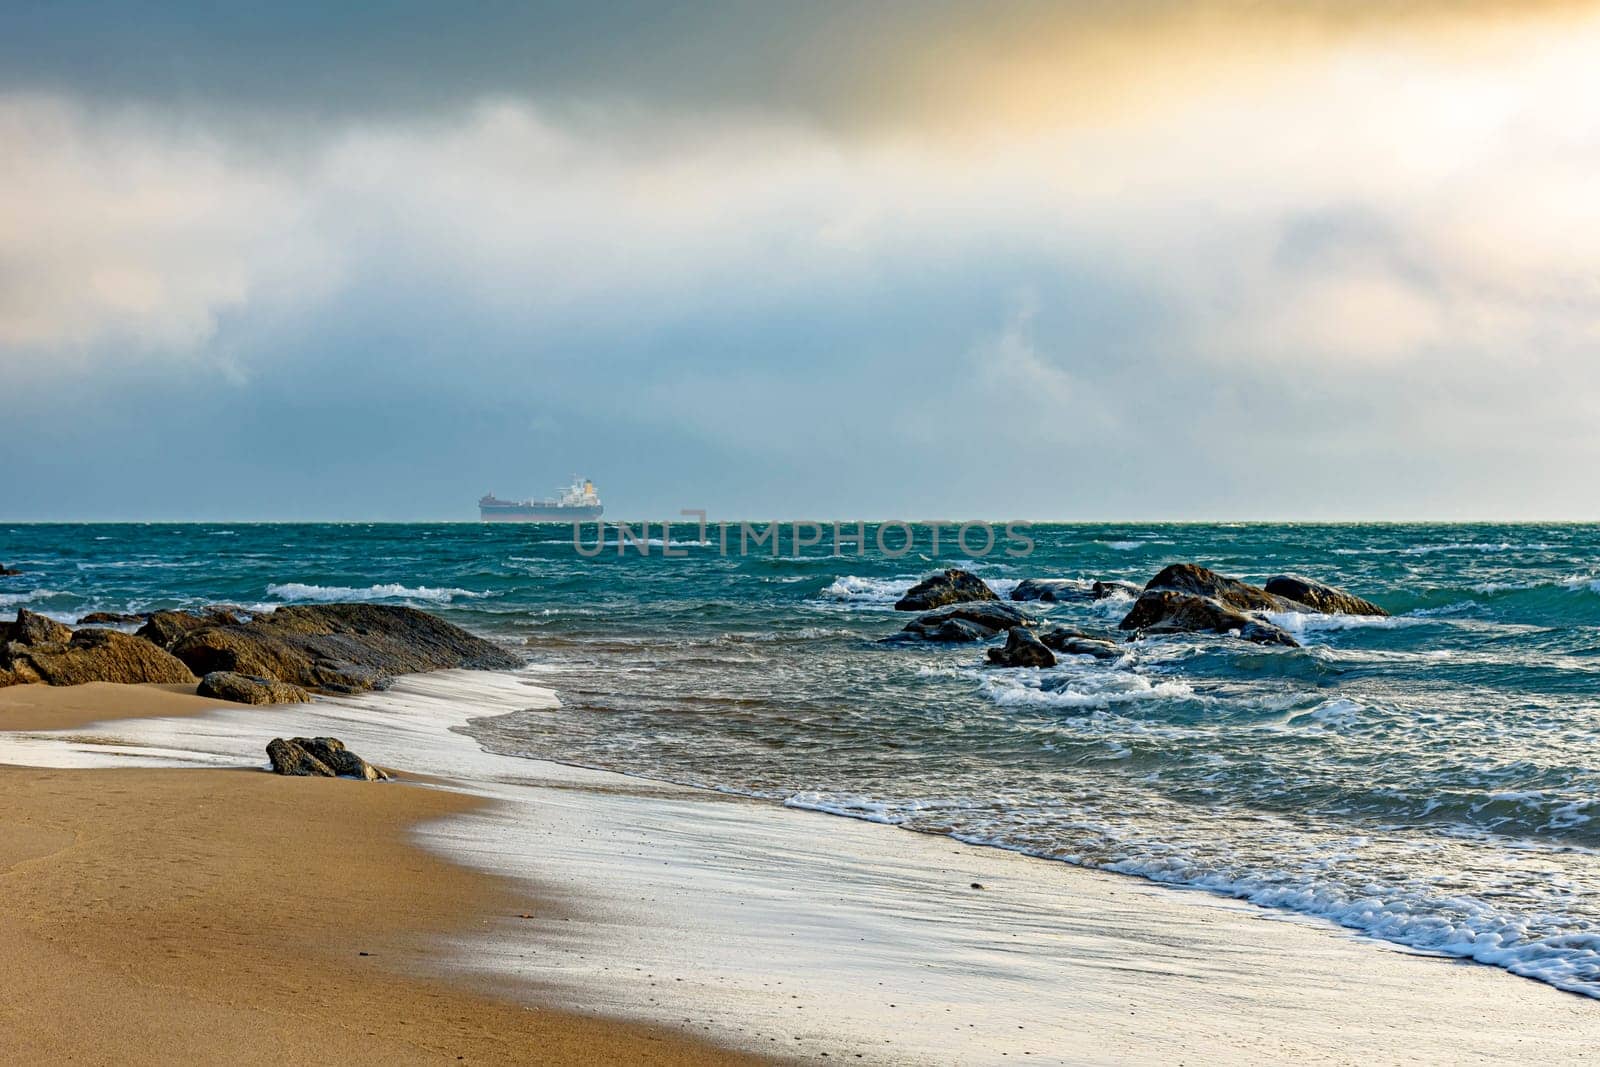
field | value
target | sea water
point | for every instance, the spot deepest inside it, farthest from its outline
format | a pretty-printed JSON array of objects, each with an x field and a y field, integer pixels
[{"x": 1429, "y": 779}]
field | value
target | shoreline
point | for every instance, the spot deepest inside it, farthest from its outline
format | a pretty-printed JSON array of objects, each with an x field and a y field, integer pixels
[{"x": 763, "y": 924}]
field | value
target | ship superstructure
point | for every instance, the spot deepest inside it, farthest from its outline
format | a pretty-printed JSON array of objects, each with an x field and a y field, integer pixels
[{"x": 577, "y": 503}]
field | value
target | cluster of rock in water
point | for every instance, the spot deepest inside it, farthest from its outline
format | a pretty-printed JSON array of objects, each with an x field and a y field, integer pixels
[
  {"x": 1184, "y": 598},
  {"x": 228, "y": 653}
]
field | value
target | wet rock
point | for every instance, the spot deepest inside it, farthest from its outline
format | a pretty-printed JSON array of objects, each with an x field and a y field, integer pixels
[
  {"x": 976, "y": 622},
  {"x": 1320, "y": 597},
  {"x": 1051, "y": 590},
  {"x": 1201, "y": 582},
  {"x": 345, "y": 648},
  {"x": 1166, "y": 611},
  {"x": 109, "y": 618},
  {"x": 1105, "y": 590},
  {"x": 1078, "y": 643},
  {"x": 319, "y": 757},
  {"x": 7, "y": 572},
  {"x": 948, "y": 587},
  {"x": 93, "y": 655},
  {"x": 1022, "y": 649},
  {"x": 243, "y": 689}
]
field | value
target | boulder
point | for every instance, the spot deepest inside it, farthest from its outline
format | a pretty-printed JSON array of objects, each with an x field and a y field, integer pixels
[
  {"x": 948, "y": 587},
  {"x": 243, "y": 689},
  {"x": 165, "y": 628},
  {"x": 345, "y": 648},
  {"x": 1078, "y": 643},
  {"x": 93, "y": 656},
  {"x": 1022, "y": 649},
  {"x": 976, "y": 621},
  {"x": 109, "y": 618},
  {"x": 1199, "y": 581},
  {"x": 1051, "y": 590},
  {"x": 320, "y": 757},
  {"x": 1105, "y": 590},
  {"x": 1165, "y": 611},
  {"x": 1320, "y": 597},
  {"x": 31, "y": 628}
]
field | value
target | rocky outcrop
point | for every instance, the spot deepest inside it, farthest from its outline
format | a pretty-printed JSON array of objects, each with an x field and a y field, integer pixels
[
  {"x": 31, "y": 628},
  {"x": 1319, "y": 597},
  {"x": 1198, "y": 581},
  {"x": 1051, "y": 590},
  {"x": 1022, "y": 649},
  {"x": 243, "y": 689},
  {"x": 89, "y": 656},
  {"x": 948, "y": 587},
  {"x": 1166, "y": 611},
  {"x": 319, "y": 757},
  {"x": 165, "y": 628},
  {"x": 344, "y": 648},
  {"x": 1105, "y": 590},
  {"x": 1078, "y": 643},
  {"x": 977, "y": 621},
  {"x": 109, "y": 618}
]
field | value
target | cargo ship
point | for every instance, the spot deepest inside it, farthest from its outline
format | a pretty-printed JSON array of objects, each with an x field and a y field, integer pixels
[{"x": 577, "y": 503}]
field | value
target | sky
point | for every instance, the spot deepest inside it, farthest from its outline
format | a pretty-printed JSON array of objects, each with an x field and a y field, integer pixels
[{"x": 1070, "y": 260}]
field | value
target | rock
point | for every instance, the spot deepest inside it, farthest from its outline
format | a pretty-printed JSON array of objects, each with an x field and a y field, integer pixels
[
  {"x": 1105, "y": 590},
  {"x": 166, "y": 628},
  {"x": 1078, "y": 643},
  {"x": 1051, "y": 590},
  {"x": 949, "y": 587},
  {"x": 1166, "y": 611},
  {"x": 346, "y": 648},
  {"x": 1320, "y": 597},
  {"x": 320, "y": 757},
  {"x": 94, "y": 656},
  {"x": 7, "y": 572},
  {"x": 112, "y": 618},
  {"x": 1022, "y": 649},
  {"x": 1198, "y": 581},
  {"x": 31, "y": 628},
  {"x": 977, "y": 621},
  {"x": 243, "y": 689}
]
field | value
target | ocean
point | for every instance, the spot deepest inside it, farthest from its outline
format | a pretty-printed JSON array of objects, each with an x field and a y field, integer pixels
[{"x": 1428, "y": 779}]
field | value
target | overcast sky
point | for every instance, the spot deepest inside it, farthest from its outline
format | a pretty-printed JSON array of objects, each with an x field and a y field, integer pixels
[{"x": 1074, "y": 261}]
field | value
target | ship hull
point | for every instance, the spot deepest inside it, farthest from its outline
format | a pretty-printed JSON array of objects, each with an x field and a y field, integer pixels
[{"x": 537, "y": 513}]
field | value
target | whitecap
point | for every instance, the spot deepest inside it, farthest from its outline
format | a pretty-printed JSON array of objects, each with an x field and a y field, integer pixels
[{"x": 323, "y": 594}]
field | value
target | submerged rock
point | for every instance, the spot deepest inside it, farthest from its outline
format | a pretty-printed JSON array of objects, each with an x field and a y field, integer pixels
[
  {"x": 1105, "y": 590},
  {"x": 1319, "y": 597},
  {"x": 977, "y": 621},
  {"x": 1078, "y": 643},
  {"x": 949, "y": 587},
  {"x": 347, "y": 648},
  {"x": 1051, "y": 590},
  {"x": 320, "y": 757},
  {"x": 1167, "y": 611},
  {"x": 243, "y": 689},
  {"x": 1022, "y": 649},
  {"x": 112, "y": 618},
  {"x": 92, "y": 656},
  {"x": 7, "y": 572}
]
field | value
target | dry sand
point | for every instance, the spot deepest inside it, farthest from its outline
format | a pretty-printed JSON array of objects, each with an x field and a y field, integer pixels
[{"x": 193, "y": 915}]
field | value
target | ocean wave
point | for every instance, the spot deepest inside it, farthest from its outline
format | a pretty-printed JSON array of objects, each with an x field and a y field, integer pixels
[
  {"x": 11, "y": 600},
  {"x": 1092, "y": 689},
  {"x": 325, "y": 594},
  {"x": 854, "y": 589},
  {"x": 1305, "y": 622}
]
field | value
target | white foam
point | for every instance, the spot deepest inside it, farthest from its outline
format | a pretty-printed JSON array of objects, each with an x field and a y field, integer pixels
[
  {"x": 324, "y": 594},
  {"x": 11, "y": 600},
  {"x": 1304, "y": 622},
  {"x": 853, "y": 589}
]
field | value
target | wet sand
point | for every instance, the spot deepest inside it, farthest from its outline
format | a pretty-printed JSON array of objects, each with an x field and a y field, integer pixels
[{"x": 199, "y": 915}]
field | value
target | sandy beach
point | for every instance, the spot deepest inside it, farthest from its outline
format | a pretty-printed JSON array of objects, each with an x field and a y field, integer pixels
[
  {"x": 213, "y": 911},
  {"x": 195, "y": 915}
]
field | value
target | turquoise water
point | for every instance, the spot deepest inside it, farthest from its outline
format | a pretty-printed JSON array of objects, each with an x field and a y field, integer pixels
[{"x": 1429, "y": 779}]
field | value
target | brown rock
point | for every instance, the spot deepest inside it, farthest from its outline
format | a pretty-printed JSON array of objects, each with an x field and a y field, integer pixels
[
  {"x": 319, "y": 757},
  {"x": 1166, "y": 611},
  {"x": 948, "y": 587},
  {"x": 1198, "y": 581},
  {"x": 1320, "y": 597},
  {"x": 112, "y": 618},
  {"x": 243, "y": 689},
  {"x": 96, "y": 656},
  {"x": 31, "y": 628},
  {"x": 1022, "y": 649}
]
